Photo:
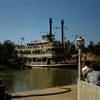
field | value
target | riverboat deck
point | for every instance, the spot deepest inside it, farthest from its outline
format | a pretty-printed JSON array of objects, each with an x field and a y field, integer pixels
[
  {"x": 56, "y": 65},
  {"x": 56, "y": 93}
]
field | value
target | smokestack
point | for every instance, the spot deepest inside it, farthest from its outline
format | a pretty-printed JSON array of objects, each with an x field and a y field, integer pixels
[
  {"x": 62, "y": 29},
  {"x": 50, "y": 27}
]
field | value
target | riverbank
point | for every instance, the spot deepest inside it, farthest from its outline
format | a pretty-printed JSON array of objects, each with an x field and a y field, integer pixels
[
  {"x": 10, "y": 66},
  {"x": 2, "y": 67},
  {"x": 56, "y": 93},
  {"x": 6, "y": 66}
]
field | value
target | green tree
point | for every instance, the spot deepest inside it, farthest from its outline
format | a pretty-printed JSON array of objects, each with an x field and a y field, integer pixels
[
  {"x": 97, "y": 49},
  {"x": 2, "y": 60},
  {"x": 90, "y": 47},
  {"x": 8, "y": 48},
  {"x": 8, "y": 55},
  {"x": 6, "y": 51}
]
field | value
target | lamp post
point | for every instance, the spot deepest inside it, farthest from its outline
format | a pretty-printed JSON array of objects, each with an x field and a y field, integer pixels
[{"x": 80, "y": 43}]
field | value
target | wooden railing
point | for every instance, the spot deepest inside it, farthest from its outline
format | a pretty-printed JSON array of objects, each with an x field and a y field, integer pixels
[{"x": 87, "y": 91}]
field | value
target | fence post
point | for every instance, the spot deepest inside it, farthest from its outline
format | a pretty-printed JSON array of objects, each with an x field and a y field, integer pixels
[
  {"x": 0, "y": 81},
  {"x": 2, "y": 92},
  {"x": 3, "y": 95}
]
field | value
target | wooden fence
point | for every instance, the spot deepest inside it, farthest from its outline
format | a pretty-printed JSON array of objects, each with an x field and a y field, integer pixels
[{"x": 87, "y": 91}]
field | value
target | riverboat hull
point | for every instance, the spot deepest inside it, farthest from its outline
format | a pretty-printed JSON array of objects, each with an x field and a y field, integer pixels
[{"x": 56, "y": 65}]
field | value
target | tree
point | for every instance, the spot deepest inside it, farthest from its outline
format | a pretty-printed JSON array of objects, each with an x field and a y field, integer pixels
[
  {"x": 97, "y": 49},
  {"x": 8, "y": 48},
  {"x": 6, "y": 51},
  {"x": 8, "y": 55},
  {"x": 2, "y": 60},
  {"x": 90, "y": 47}
]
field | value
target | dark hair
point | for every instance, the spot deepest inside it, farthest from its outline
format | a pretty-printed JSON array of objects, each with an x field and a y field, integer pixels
[
  {"x": 95, "y": 67},
  {"x": 87, "y": 62}
]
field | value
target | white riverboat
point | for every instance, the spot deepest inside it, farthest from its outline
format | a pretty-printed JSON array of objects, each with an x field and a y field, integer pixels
[{"x": 47, "y": 52}]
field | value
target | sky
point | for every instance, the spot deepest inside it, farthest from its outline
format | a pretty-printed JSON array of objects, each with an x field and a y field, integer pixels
[{"x": 28, "y": 18}]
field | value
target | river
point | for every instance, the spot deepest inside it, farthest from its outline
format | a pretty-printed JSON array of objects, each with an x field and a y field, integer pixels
[{"x": 37, "y": 78}]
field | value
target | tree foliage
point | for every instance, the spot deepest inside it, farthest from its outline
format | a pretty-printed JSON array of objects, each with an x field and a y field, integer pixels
[
  {"x": 93, "y": 48},
  {"x": 8, "y": 54},
  {"x": 8, "y": 48},
  {"x": 6, "y": 51}
]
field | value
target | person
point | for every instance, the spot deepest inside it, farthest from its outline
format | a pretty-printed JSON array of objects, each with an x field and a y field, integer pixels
[
  {"x": 86, "y": 69},
  {"x": 94, "y": 76}
]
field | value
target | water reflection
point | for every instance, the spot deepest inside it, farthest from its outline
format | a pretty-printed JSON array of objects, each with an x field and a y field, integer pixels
[{"x": 37, "y": 78}]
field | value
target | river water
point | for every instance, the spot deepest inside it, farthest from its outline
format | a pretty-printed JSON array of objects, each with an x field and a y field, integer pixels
[{"x": 37, "y": 78}]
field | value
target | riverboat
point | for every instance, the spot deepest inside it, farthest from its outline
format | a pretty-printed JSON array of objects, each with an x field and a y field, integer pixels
[{"x": 47, "y": 52}]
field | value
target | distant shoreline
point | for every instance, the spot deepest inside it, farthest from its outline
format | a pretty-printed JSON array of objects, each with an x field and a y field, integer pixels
[{"x": 8, "y": 66}]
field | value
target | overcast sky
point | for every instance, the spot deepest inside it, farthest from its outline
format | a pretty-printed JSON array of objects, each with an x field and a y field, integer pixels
[{"x": 28, "y": 18}]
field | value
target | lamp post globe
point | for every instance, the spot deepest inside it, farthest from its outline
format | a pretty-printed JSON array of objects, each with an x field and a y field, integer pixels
[{"x": 80, "y": 42}]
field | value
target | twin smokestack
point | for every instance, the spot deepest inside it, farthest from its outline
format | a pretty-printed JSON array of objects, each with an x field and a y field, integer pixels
[{"x": 62, "y": 29}]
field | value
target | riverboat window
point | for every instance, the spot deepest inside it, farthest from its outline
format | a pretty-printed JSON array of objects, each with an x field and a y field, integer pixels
[
  {"x": 38, "y": 51},
  {"x": 52, "y": 49},
  {"x": 28, "y": 52},
  {"x": 44, "y": 59},
  {"x": 56, "y": 50},
  {"x": 34, "y": 59},
  {"x": 60, "y": 49}
]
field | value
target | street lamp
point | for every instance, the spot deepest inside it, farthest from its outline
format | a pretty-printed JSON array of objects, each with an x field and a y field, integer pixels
[{"x": 80, "y": 43}]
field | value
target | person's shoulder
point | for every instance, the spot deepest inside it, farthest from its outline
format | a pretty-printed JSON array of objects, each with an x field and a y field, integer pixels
[
  {"x": 94, "y": 73},
  {"x": 98, "y": 72},
  {"x": 91, "y": 73}
]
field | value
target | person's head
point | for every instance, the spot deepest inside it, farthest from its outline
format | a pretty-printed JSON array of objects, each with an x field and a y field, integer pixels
[
  {"x": 95, "y": 67},
  {"x": 87, "y": 62}
]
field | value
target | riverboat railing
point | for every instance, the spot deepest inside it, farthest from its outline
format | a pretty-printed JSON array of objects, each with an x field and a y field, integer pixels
[{"x": 87, "y": 91}]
